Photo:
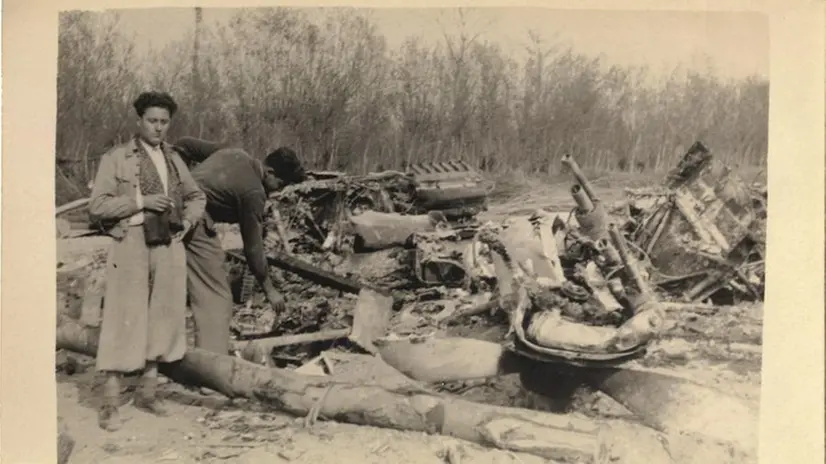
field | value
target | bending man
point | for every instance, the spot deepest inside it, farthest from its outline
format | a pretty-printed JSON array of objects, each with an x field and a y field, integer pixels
[{"x": 236, "y": 186}]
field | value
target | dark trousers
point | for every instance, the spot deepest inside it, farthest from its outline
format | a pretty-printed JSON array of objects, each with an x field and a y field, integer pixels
[{"x": 209, "y": 290}]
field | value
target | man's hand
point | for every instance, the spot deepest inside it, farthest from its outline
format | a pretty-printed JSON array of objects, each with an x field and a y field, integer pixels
[
  {"x": 157, "y": 203},
  {"x": 276, "y": 300},
  {"x": 183, "y": 232}
]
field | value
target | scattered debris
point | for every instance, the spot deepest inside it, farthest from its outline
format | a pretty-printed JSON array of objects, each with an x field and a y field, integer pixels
[
  {"x": 170, "y": 456},
  {"x": 371, "y": 317},
  {"x": 321, "y": 214},
  {"x": 413, "y": 408},
  {"x": 704, "y": 233},
  {"x": 587, "y": 278},
  {"x": 698, "y": 237},
  {"x": 358, "y": 256},
  {"x": 319, "y": 365}
]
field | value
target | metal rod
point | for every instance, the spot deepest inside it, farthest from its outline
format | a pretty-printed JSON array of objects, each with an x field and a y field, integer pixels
[
  {"x": 659, "y": 231},
  {"x": 581, "y": 198},
  {"x": 569, "y": 161},
  {"x": 627, "y": 260}
]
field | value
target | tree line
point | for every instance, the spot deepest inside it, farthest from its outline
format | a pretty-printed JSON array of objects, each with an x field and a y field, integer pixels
[{"x": 344, "y": 100}]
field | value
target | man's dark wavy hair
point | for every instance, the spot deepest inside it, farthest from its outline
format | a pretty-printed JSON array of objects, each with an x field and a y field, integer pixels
[
  {"x": 286, "y": 165},
  {"x": 148, "y": 100}
]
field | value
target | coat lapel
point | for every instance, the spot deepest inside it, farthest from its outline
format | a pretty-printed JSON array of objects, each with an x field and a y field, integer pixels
[{"x": 131, "y": 166}]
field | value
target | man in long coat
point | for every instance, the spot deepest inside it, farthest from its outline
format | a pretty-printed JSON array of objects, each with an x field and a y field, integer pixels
[{"x": 145, "y": 198}]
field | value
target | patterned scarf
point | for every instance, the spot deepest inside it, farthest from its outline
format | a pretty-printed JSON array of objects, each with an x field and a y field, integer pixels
[{"x": 151, "y": 184}]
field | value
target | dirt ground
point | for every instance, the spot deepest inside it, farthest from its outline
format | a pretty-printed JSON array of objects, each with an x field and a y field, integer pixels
[{"x": 723, "y": 350}]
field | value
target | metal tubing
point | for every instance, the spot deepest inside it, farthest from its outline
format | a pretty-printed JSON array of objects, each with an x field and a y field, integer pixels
[
  {"x": 627, "y": 261},
  {"x": 581, "y": 198},
  {"x": 569, "y": 161}
]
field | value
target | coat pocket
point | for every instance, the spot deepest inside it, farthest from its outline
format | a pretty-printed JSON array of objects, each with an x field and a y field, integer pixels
[{"x": 126, "y": 185}]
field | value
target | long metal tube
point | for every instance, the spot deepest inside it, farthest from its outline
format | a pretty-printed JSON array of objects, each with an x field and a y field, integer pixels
[
  {"x": 581, "y": 198},
  {"x": 627, "y": 261},
  {"x": 569, "y": 161}
]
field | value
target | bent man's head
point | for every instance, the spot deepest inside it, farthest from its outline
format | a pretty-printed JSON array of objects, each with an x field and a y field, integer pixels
[{"x": 283, "y": 168}]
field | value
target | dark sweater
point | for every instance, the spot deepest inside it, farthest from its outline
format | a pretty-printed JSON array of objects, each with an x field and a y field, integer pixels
[{"x": 233, "y": 183}]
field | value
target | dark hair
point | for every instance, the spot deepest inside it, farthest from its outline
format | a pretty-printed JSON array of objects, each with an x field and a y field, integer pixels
[
  {"x": 286, "y": 165},
  {"x": 148, "y": 100}
]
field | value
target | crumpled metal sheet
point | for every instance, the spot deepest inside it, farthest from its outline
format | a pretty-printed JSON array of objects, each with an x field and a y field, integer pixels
[
  {"x": 702, "y": 226},
  {"x": 440, "y": 258},
  {"x": 533, "y": 248},
  {"x": 317, "y": 209}
]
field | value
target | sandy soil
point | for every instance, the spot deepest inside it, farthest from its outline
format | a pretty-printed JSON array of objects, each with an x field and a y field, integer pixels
[
  {"x": 723, "y": 351},
  {"x": 206, "y": 431},
  {"x": 211, "y": 429}
]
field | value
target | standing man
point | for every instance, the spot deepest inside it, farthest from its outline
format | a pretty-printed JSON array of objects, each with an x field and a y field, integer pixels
[
  {"x": 144, "y": 197},
  {"x": 237, "y": 187}
]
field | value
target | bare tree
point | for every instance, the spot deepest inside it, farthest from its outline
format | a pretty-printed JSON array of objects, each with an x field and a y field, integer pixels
[{"x": 325, "y": 82}]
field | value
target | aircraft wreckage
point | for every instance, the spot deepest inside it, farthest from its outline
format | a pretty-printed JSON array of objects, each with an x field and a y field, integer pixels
[{"x": 584, "y": 291}]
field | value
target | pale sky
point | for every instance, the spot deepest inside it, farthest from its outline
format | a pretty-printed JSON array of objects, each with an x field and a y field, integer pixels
[{"x": 736, "y": 42}]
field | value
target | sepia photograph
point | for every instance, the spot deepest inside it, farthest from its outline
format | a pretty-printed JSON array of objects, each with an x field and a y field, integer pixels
[{"x": 410, "y": 235}]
